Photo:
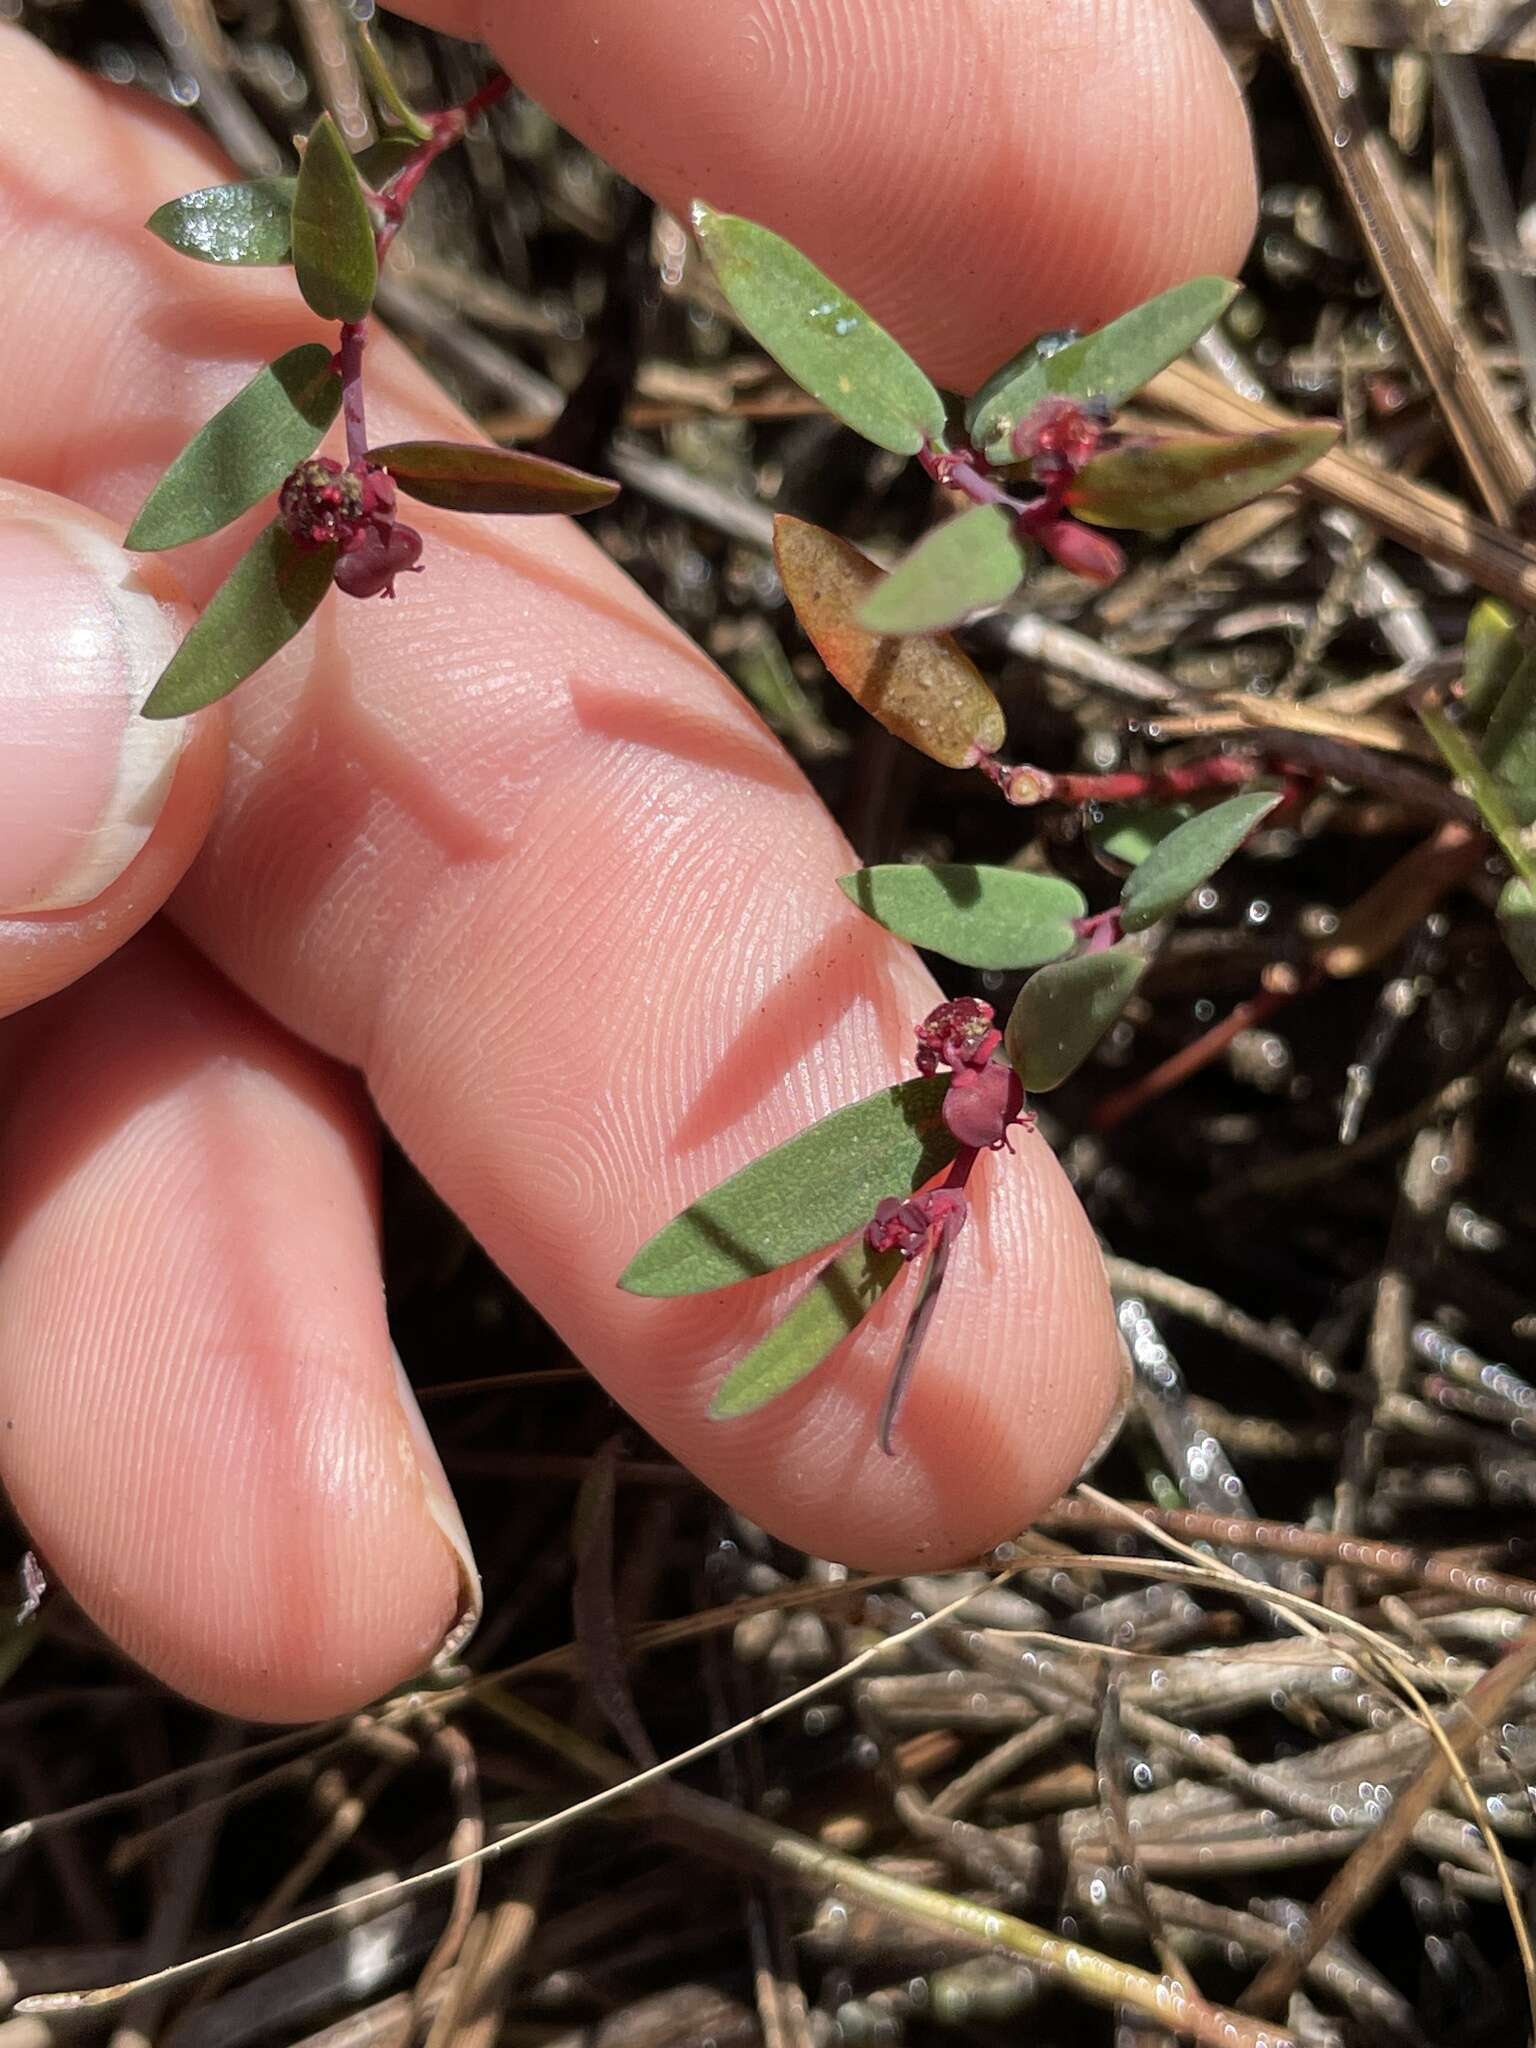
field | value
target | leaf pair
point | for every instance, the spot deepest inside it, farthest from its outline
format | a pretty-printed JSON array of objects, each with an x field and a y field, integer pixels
[
  {"x": 243, "y": 454},
  {"x": 807, "y": 1194},
  {"x": 862, "y": 375},
  {"x": 999, "y": 918},
  {"x": 251, "y": 223},
  {"x": 835, "y": 351},
  {"x": 977, "y": 559}
]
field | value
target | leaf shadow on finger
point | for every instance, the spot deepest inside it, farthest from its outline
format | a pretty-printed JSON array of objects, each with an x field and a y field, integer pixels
[
  {"x": 688, "y": 732},
  {"x": 831, "y": 978}
]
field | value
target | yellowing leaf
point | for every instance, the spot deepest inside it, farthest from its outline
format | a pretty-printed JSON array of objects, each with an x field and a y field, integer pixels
[
  {"x": 920, "y": 686},
  {"x": 1157, "y": 484}
]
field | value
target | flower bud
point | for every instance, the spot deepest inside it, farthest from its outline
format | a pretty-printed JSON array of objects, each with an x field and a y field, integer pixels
[
  {"x": 373, "y": 560},
  {"x": 1079, "y": 548},
  {"x": 983, "y": 1104}
]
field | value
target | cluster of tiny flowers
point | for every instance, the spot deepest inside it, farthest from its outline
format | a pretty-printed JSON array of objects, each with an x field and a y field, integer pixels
[
  {"x": 324, "y": 505},
  {"x": 1056, "y": 439},
  {"x": 907, "y": 1227},
  {"x": 986, "y": 1097}
]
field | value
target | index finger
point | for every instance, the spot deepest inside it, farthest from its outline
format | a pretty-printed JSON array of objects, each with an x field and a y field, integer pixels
[
  {"x": 974, "y": 175},
  {"x": 516, "y": 850}
]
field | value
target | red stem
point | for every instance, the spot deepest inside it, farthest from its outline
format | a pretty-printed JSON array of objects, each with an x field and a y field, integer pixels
[
  {"x": 448, "y": 127},
  {"x": 928, "y": 1300},
  {"x": 349, "y": 361},
  {"x": 1195, "y": 1056}
]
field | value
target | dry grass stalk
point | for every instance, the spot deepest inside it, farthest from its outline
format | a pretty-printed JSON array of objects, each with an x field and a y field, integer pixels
[
  {"x": 1431, "y": 522},
  {"x": 1488, "y": 28},
  {"x": 1362, "y": 1877}
]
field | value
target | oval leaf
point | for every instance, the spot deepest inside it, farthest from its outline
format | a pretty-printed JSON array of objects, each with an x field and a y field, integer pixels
[
  {"x": 265, "y": 599},
  {"x": 804, "y": 1195},
  {"x": 961, "y": 567},
  {"x": 1063, "y": 1012},
  {"x": 1190, "y": 855},
  {"x": 1517, "y": 920},
  {"x": 244, "y": 452},
  {"x": 391, "y": 101},
  {"x": 466, "y": 477},
  {"x": 245, "y": 223},
  {"x": 837, "y": 1301},
  {"x": 334, "y": 255},
  {"x": 980, "y": 916},
  {"x": 1128, "y": 836},
  {"x": 1158, "y": 484},
  {"x": 828, "y": 345},
  {"x": 1111, "y": 364},
  {"x": 921, "y": 687}
]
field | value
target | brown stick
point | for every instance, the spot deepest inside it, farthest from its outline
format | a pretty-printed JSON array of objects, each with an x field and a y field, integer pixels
[
  {"x": 1431, "y": 522},
  {"x": 1362, "y": 1877},
  {"x": 1496, "y": 454},
  {"x": 1398, "y": 1561}
]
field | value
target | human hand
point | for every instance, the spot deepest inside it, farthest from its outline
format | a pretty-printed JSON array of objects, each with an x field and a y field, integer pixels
[{"x": 511, "y": 849}]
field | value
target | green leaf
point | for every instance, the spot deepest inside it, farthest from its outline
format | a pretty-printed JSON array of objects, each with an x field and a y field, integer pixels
[
  {"x": 1111, "y": 364},
  {"x": 467, "y": 477},
  {"x": 1157, "y": 484},
  {"x": 246, "y": 223},
  {"x": 334, "y": 254},
  {"x": 244, "y": 452},
  {"x": 829, "y": 345},
  {"x": 1130, "y": 835},
  {"x": 1485, "y": 789},
  {"x": 1190, "y": 855},
  {"x": 921, "y": 687},
  {"x": 980, "y": 916},
  {"x": 1509, "y": 745},
  {"x": 835, "y": 1303},
  {"x": 1492, "y": 653},
  {"x": 961, "y": 567},
  {"x": 1063, "y": 1012},
  {"x": 387, "y": 94},
  {"x": 265, "y": 599},
  {"x": 803, "y": 1195},
  {"x": 1517, "y": 919},
  {"x": 382, "y": 160}
]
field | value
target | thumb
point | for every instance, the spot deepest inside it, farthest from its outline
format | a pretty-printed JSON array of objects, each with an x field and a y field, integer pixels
[{"x": 103, "y": 809}]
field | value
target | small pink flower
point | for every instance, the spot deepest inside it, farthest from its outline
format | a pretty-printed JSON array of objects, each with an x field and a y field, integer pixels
[
  {"x": 1057, "y": 436},
  {"x": 320, "y": 503}
]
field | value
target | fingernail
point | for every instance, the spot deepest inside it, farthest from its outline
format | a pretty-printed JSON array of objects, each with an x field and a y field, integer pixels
[
  {"x": 82, "y": 777},
  {"x": 444, "y": 1510}
]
